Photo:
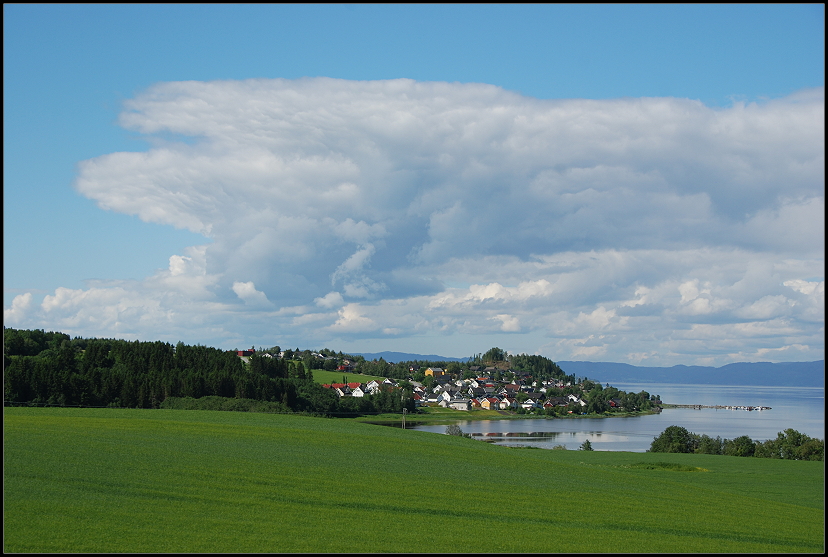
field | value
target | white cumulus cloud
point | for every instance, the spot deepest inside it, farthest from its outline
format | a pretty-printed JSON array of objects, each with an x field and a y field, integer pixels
[
  {"x": 247, "y": 291},
  {"x": 343, "y": 210}
]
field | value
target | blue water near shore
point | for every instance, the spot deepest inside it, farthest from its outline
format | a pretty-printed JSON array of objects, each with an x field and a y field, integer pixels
[{"x": 799, "y": 408}]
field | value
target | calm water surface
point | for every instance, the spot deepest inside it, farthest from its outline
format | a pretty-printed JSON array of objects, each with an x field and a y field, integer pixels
[{"x": 800, "y": 408}]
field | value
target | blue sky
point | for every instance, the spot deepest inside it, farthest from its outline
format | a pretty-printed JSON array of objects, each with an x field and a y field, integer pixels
[{"x": 621, "y": 183}]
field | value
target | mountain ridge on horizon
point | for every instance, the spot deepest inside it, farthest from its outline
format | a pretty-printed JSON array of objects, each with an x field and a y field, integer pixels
[
  {"x": 390, "y": 356},
  {"x": 801, "y": 374},
  {"x": 776, "y": 374}
]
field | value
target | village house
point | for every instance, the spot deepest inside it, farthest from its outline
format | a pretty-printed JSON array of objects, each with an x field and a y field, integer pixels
[
  {"x": 490, "y": 403},
  {"x": 482, "y": 392},
  {"x": 555, "y": 401},
  {"x": 246, "y": 352},
  {"x": 433, "y": 398},
  {"x": 476, "y": 392},
  {"x": 460, "y": 404},
  {"x": 510, "y": 389},
  {"x": 419, "y": 399},
  {"x": 535, "y": 396},
  {"x": 529, "y": 404}
]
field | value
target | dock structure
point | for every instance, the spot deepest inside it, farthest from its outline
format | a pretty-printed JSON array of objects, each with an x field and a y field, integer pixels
[{"x": 717, "y": 407}]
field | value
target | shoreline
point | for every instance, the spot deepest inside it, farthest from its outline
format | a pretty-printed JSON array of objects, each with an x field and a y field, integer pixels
[{"x": 449, "y": 417}]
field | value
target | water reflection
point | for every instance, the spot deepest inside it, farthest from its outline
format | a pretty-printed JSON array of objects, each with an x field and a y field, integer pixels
[
  {"x": 494, "y": 436},
  {"x": 799, "y": 408}
]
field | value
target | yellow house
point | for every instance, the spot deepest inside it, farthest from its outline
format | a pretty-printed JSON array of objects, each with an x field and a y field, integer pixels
[
  {"x": 435, "y": 371},
  {"x": 490, "y": 403}
]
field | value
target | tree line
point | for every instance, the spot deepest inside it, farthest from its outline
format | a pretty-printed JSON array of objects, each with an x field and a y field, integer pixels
[
  {"x": 789, "y": 444},
  {"x": 538, "y": 367},
  {"x": 50, "y": 368}
]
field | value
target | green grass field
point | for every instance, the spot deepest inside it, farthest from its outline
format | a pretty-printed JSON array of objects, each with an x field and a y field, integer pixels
[
  {"x": 105, "y": 480},
  {"x": 322, "y": 376}
]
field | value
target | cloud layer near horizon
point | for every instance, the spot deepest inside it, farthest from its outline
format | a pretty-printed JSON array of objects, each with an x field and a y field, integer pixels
[{"x": 650, "y": 230}]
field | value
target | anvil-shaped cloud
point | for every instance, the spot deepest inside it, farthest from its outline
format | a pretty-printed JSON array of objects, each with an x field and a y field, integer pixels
[{"x": 653, "y": 230}]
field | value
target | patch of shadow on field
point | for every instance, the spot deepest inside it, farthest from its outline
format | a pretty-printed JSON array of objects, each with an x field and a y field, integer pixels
[
  {"x": 766, "y": 538},
  {"x": 668, "y": 466}
]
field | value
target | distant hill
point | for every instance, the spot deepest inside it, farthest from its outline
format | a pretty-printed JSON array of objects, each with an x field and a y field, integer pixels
[
  {"x": 405, "y": 357},
  {"x": 791, "y": 374}
]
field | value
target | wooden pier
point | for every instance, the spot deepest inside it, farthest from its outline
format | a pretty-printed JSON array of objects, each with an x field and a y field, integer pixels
[{"x": 717, "y": 407}]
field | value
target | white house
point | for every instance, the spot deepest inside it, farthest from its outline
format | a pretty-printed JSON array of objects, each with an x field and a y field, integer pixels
[{"x": 460, "y": 404}]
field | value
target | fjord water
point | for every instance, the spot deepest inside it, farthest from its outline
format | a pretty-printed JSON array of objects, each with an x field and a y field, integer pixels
[{"x": 799, "y": 408}]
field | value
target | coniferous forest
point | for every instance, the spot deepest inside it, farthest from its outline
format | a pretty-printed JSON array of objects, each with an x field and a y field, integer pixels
[{"x": 50, "y": 368}]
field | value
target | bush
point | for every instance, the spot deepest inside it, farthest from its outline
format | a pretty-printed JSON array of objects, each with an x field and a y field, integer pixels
[
  {"x": 454, "y": 429},
  {"x": 674, "y": 439},
  {"x": 789, "y": 444},
  {"x": 812, "y": 449},
  {"x": 741, "y": 446},
  {"x": 709, "y": 445}
]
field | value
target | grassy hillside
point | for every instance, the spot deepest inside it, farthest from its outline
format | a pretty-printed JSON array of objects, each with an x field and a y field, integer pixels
[
  {"x": 103, "y": 480},
  {"x": 322, "y": 376}
]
